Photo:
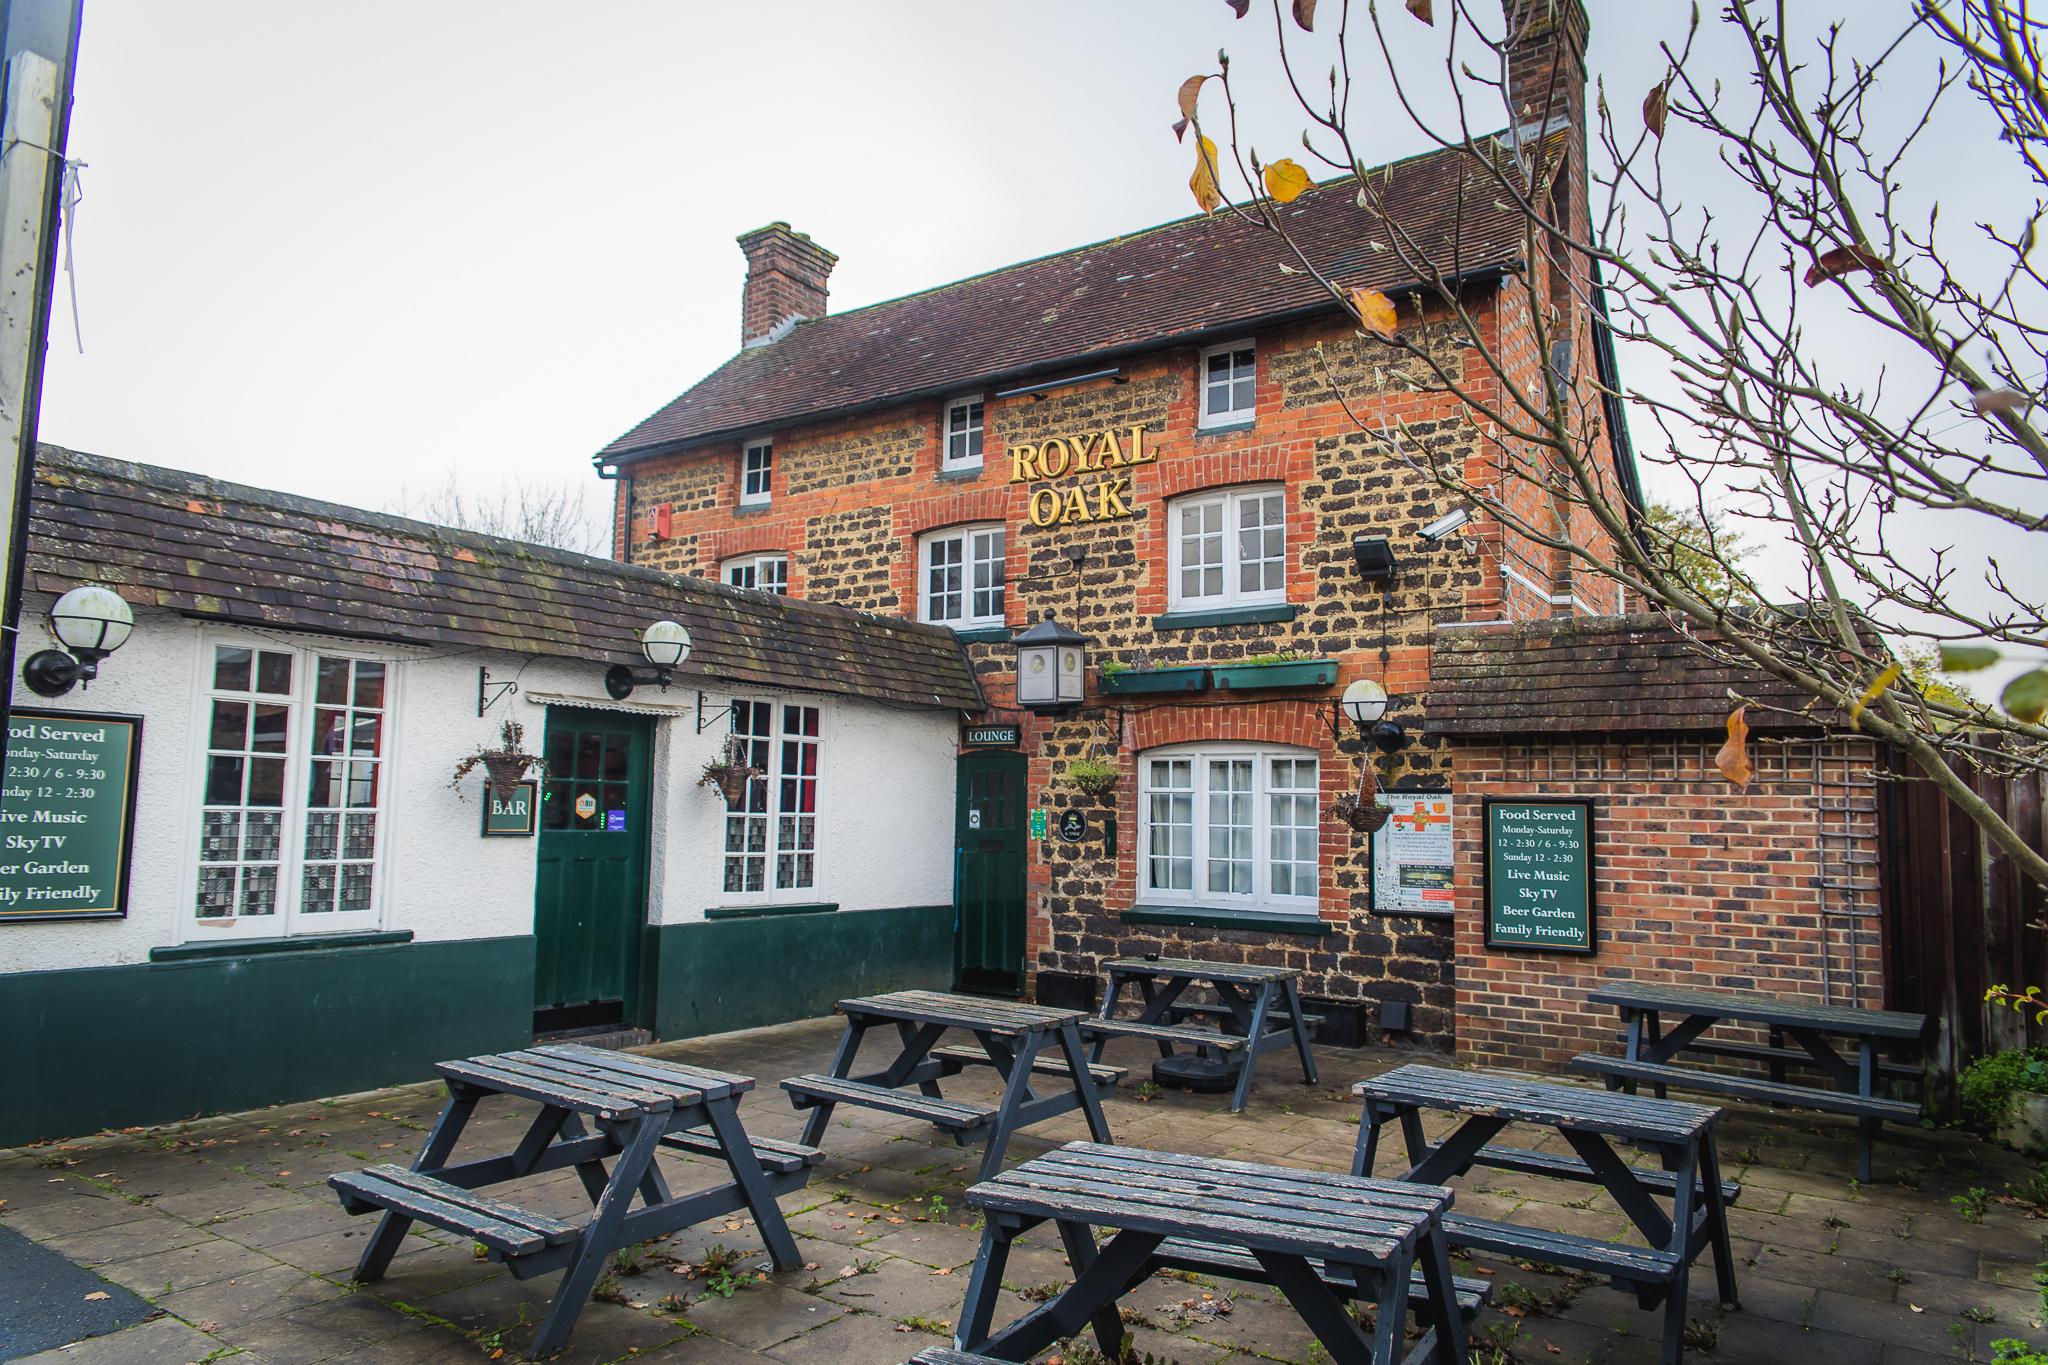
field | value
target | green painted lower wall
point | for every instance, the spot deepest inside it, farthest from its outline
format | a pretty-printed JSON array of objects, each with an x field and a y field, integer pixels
[
  {"x": 742, "y": 973},
  {"x": 113, "y": 1046}
]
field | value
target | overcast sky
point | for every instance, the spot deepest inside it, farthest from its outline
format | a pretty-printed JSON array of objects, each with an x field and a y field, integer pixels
[{"x": 337, "y": 249}]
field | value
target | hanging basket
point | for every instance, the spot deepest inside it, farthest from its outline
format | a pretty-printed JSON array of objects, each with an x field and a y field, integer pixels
[
  {"x": 505, "y": 766},
  {"x": 506, "y": 771},
  {"x": 730, "y": 775},
  {"x": 1094, "y": 778},
  {"x": 1361, "y": 809}
]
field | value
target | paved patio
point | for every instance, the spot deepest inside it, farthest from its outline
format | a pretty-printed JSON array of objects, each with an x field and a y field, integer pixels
[{"x": 227, "y": 1226}]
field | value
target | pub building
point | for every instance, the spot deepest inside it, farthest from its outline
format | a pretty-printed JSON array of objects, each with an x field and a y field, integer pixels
[{"x": 1120, "y": 475}]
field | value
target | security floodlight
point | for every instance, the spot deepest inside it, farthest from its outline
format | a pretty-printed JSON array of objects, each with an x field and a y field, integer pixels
[{"x": 1441, "y": 529}]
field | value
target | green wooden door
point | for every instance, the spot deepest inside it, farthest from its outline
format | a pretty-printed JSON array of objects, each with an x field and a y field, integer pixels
[
  {"x": 590, "y": 891},
  {"x": 988, "y": 907}
]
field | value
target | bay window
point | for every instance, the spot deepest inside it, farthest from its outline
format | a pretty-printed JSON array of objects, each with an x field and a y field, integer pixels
[
  {"x": 292, "y": 790},
  {"x": 1227, "y": 548},
  {"x": 1230, "y": 825}
]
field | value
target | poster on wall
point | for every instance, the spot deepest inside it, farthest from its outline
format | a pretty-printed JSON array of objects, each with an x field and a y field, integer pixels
[
  {"x": 1539, "y": 874},
  {"x": 1411, "y": 855},
  {"x": 67, "y": 815}
]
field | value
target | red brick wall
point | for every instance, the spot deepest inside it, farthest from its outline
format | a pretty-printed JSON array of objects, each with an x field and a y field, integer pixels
[{"x": 1772, "y": 887}]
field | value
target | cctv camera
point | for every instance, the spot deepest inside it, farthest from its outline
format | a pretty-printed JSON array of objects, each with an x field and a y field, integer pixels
[{"x": 1440, "y": 529}]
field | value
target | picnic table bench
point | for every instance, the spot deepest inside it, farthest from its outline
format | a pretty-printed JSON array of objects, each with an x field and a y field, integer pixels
[
  {"x": 1011, "y": 1037},
  {"x": 1590, "y": 1121},
  {"x": 1321, "y": 1239},
  {"x": 1261, "y": 1007},
  {"x": 636, "y": 1106},
  {"x": 1690, "y": 1011}
]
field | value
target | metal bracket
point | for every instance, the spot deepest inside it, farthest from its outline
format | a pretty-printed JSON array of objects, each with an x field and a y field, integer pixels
[
  {"x": 488, "y": 693},
  {"x": 716, "y": 716}
]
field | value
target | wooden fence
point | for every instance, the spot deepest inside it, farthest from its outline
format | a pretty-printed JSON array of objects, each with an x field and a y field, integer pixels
[{"x": 1959, "y": 919}]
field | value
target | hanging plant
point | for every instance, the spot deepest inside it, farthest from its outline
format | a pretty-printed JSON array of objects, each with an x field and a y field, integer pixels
[
  {"x": 1095, "y": 778},
  {"x": 505, "y": 766},
  {"x": 1361, "y": 809},
  {"x": 730, "y": 773}
]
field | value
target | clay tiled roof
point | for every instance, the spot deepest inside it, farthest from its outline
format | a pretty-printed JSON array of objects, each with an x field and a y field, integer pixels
[
  {"x": 1593, "y": 673},
  {"x": 228, "y": 552},
  {"x": 1176, "y": 282}
]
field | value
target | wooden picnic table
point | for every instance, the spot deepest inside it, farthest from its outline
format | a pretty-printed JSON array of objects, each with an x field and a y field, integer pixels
[
  {"x": 1661, "y": 1022},
  {"x": 1013, "y": 1038},
  {"x": 1321, "y": 1239},
  {"x": 635, "y": 1106},
  {"x": 1590, "y": 1121},
  {"x": 1263, "y": 1003}
]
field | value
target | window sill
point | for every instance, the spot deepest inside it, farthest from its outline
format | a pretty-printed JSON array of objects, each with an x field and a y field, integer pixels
[
  {"x": 761, "y": 911},
  {"x": 249, "y": 947},
  {"x": 1226, "y": 428},
  {"x": 1199, "y": 917},
  {"x": 965, "y": 473},
  {"x": 1227, "y": 616},
  {"x": 983, "y": 635},
  {"x": 748, "y": 509}
]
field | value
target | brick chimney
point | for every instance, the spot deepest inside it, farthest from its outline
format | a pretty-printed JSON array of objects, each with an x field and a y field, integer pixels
[
  {"x": 786, "y": 275},
  {"x": 1546, "y": 46}
]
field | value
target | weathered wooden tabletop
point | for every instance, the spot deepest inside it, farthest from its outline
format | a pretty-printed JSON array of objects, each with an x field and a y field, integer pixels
[
  {"x": 1191, "y": 969},
  {"x": 1564, "y": 1107},
  {"x": 1756, "y": 1008},
  {"x": 1002, "y": 1017},
  {"x": 609, "y": 1085}
]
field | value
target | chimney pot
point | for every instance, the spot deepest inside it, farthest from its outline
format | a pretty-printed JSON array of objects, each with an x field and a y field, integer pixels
[{"x": 786, "y": 281}]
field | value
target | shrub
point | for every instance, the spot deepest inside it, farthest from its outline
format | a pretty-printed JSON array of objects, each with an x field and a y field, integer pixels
[
  {"x": 1987, "y": 1081},
  {"x": 2008, "y": 1351}
]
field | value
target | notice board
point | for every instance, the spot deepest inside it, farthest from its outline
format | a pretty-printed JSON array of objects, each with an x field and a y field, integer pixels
[
  {"x": 1412, "y": 863},
  {"x": 67, "y": 814},
  {"x": 1539, "y": 874}
]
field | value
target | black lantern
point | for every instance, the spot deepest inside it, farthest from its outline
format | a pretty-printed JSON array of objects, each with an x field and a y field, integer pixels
[
  {"x": 90, "y": 621},
  {"x": 1051, "y": 666},
  {"x": 666, "y": 644}
]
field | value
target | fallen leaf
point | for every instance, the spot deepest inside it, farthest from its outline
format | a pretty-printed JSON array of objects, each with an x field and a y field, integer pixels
[
  {"x": 1421, "y": 10},
  {"x": 1733, "y": 758},
  {"x": 1987, "y": 401},
  {"x": 1375, "y": 311},
  {"x": 97, "y": 1295},
  {"x": 1203, "y": 182},
  {"x": 1654, "y": 110},
  {"x": 810, "y": 1265},
  {"x": 846, "y": 1272},
  {"x": 1916, "y": 1308},
  {"x": 1967, "y": 658},
  {"x": 1285, "y": 180},
  {"x": 1305, "y": 13},
  {"x": 2026, "y": 697},
  {"x": 1871, "y": 693},
  {"x": 1841, "y": 261},
  {"x": 943, "y": 1270}
]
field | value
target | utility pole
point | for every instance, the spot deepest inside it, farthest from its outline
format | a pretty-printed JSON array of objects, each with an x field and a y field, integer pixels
[{"x": 38, "y": 58}]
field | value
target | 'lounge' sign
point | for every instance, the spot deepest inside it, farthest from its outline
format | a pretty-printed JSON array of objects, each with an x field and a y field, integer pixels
[{"x": 1102, "y": 500}]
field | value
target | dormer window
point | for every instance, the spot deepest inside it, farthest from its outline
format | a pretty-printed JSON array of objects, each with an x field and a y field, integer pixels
[
  {"x": 962, "y": 435},
  {"x": 1228, "y": 384},
  {"x": 757, "y": 473}
]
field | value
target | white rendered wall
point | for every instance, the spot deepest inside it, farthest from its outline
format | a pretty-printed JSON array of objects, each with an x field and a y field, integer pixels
[{"x": 885, "y": 795}]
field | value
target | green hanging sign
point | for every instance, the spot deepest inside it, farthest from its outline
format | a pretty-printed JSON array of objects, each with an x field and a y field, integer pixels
[
  {"x": 1538, "y": 891},
  {"x": 514, "y": 817},
  {"x": 67, "y": 814},
  {"x": 1038, "y": 823}
]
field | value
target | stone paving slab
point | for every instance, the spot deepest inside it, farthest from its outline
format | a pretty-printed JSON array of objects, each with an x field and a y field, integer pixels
[{"x": 226, "y": 1226}]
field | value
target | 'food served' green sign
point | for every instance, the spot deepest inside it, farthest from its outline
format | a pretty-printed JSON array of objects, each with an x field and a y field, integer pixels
[
  {"x": 67, "y": 814},
  {"x": 1539, "y": 874}
]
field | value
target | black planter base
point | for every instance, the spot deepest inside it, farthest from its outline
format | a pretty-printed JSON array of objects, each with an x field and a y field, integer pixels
[{"x": 1191, "y": 1071}]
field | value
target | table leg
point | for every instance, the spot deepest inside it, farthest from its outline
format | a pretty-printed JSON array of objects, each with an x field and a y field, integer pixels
[
  {"x": 907, "y": 1034},
  {"x": 1451, "y": 1157},
  {"x": 1619, "y": 1180},
  {"x": 1255, "y": 1033},
  {"x": 984, "y": 1287},
  {"x": 1084, "y": 1083},
  {"x": 1368, "y": 1140},
  {"x": 841, "y": 1068},
  {"x": 1717, "y": 1219},
  {"x": 1108, "y": 1011},
  {"x": 592, "y": 1173},
  {"x": 1107, "y": 1321},
  {"x": 1866, "y": 1085},
  {"x": 1016, "y": 1092},
  {"x": 1301, "y": 1038},
  {"x": 1681, "y": 1242},
  {"x": 1650, "y": 1039},
  {"x": 1324, "y": 1313},
  {"x": 1435, "y": 1259},
  {"x": 599, "y": 1238},
  {"x": 1093, "y": 1294},
  {"x": 392, "y": 1227},
  {"x": 753, "y": 1182}
]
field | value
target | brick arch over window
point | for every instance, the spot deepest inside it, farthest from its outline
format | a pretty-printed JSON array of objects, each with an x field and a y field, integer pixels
[
  {"x": 1298, "y": 724},
  {"x": 1220, "y": 470},
  {"x": 953, "y": 509},
  {"x": 720, "y": 546}
]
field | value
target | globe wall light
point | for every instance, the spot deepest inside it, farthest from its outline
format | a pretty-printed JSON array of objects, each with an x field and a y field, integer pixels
[
  {"x": 665, "y": 644},
  {"x": 91, "y": 622}
]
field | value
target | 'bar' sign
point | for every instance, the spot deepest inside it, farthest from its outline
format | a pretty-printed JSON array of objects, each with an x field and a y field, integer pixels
[{"x": 1539, "y": 874}]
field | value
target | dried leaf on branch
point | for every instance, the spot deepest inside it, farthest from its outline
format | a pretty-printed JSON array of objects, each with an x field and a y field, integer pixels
[
  {"x": 1421, "y": 10},
  {"x": 1871, "y": 693},
  {"x": 1203, "y": 181},
  {"x": 2026, "y": 697},
  {"x": 1733, "y": 757},
  {"x": 1305, "y": 13},
  {"x": 1375, "y": 311},
  {"x": 1285, "y": 180},
  {"x": 1988, "y": 401},
  {"x": 1843, "y": 260}
]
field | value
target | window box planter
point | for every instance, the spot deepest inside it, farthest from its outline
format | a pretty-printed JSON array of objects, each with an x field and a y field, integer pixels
[
  {"x": 1141, "y": 680},
  {"x": 1265, "y": 677}
]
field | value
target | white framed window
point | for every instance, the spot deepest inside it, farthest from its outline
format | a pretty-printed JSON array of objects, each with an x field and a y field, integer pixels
[
  {"x": 757, "y": 472},
  {"x": 960, "y": 577},
  {"x": 962, "y": 433},
  {"x": 771, "y": 846},
  {"x": 765, "y": 573},
  {"x": 1228, "y": 376},
  {"x": 1228, "y": 824},
  {"x": 1228, "y": 548},
  {"x": 294, "y": 747}
]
